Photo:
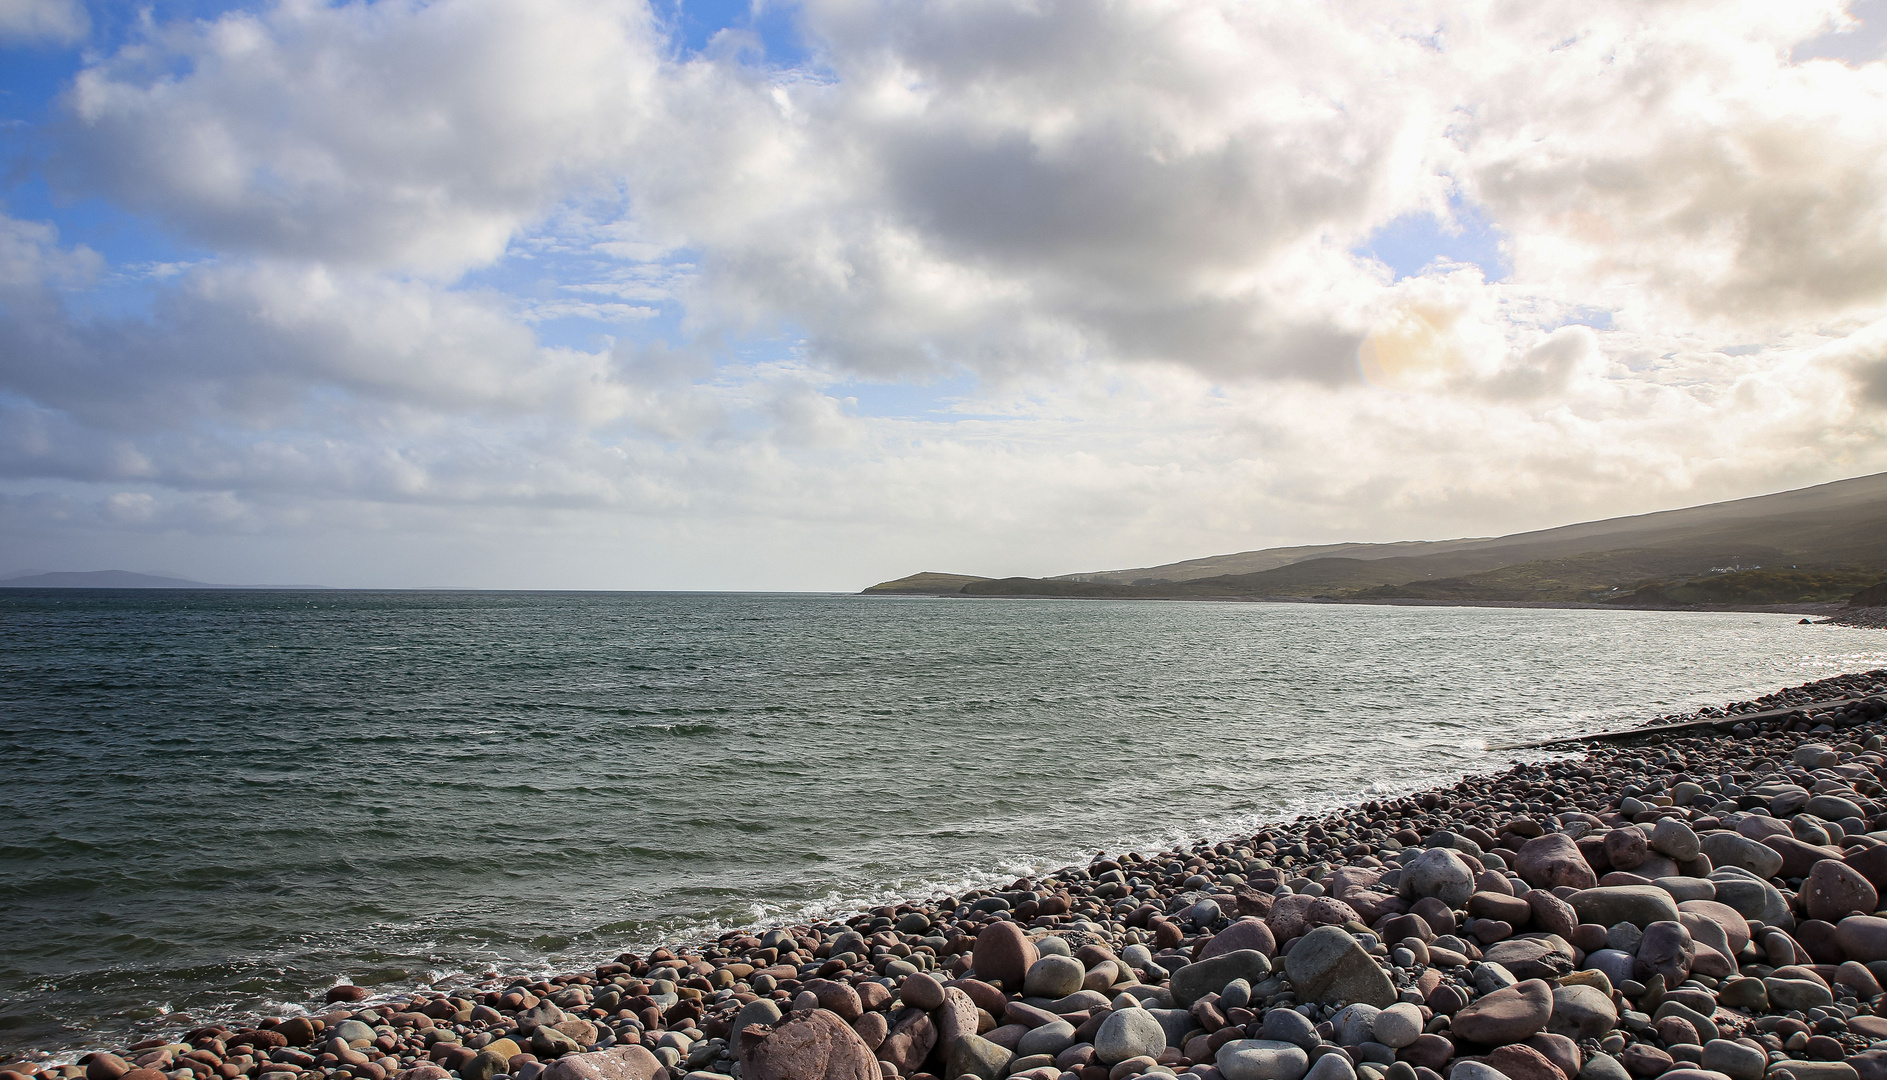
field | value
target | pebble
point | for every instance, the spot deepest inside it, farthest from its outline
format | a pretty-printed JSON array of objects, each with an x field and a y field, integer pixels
[{"x": 1262, "y": 1059}]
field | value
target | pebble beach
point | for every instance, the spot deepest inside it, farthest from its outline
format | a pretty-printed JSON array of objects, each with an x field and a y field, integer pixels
[{"x": 1697, "y": 903}]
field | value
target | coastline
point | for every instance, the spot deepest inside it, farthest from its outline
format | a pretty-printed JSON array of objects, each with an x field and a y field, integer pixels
[
  {"x": 1829, "y": 611},
  {"x": 1192, "y": 906}
]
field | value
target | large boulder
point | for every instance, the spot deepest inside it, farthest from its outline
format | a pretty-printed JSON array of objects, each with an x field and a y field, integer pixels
[
  {"x": 1862, "y": 937},
  {"x": 1440, "y": 873},
  {"x": 955, "y": 1018},
  {"x": 1246, "y": 933},
  {"x": 1640, "y": 905},
  {"x": 810, "y": 1045},
  {"x": 1535, "y": 956},
  {"x": 1129, "y": 1033},
  {"x": 615, "y": 1063},
  {"x": 1261, "y": 1059},
  {"x": 1551, "y": 914},
  {"x": 1733, "y": 849},
  {"x": 1330, "y": 966},
  {"x": 1582, "y": 1012},
  {"x": 909, "y": 1042},
  {"x": 1667, "y": 949},
  {"x": 1552, "y": 860},
  {"x": 1674, "y": 839},
  {"x": 1833, "y": 889},
  {"x": 1798, "y": 857},
  {"x": 1509, "y": 1015},
  {"x": 1196, "y": 980},
  {"x": 1004, "y": 954},
  {"x": 1731, "y": 922}
]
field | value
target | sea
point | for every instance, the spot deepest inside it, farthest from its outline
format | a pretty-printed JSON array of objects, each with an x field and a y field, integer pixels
[{"x": 218, "y": 803}]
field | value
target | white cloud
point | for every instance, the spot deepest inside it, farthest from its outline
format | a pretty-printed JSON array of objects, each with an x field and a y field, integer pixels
[{"x": 1128, "y": 229}]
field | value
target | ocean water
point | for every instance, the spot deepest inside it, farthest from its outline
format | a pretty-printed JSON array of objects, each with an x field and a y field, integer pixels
[{"x": 220, "y": 802}]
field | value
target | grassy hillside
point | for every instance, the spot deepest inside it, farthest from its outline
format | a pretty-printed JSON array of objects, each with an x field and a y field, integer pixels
[
  {"x": 1814, "y": 545},
  {"x": 926, "y": 583}
]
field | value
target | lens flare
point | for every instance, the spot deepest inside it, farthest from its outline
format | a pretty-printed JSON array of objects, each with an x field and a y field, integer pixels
[{"x": 1412, "y": 345}]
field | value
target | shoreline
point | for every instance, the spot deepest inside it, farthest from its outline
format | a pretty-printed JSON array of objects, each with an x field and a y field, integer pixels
[
  {"x": 1829, "y": 610},
  {"x": 1189, "y": 899}
]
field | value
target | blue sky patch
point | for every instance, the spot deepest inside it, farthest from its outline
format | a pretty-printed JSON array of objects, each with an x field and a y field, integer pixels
[{"x": 1412, "y": 243}]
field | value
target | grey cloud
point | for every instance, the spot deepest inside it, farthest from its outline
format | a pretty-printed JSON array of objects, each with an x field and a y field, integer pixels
[{"x": 35, "y": 21}]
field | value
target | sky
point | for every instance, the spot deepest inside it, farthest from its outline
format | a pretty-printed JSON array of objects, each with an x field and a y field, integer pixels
[{"x": 803, "y": 296}]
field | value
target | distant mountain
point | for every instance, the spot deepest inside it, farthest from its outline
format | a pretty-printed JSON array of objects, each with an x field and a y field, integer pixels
[
  {"x": 102, "y": 579},
  {"x": 1812, "y": 545},
  {"x": 926, "y": 584}
]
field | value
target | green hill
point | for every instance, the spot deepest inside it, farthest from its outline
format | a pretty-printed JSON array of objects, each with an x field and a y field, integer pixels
[
  {"x": 1811, "y": 545},
  {"x": 926, "y": 584}
]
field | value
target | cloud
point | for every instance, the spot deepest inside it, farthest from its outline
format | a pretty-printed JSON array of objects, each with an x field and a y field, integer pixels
[
  {"x": 468, "y": 265},
  {"x": 396, "y": 134},
  {"x": 60, "y": 21}
]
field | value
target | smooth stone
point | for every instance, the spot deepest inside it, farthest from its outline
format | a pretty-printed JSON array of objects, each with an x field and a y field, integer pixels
[
  {"x": 973, "y": 1055},
  {"x": 1615, "y": 964},
  {"x": 1624, "y": 937},
  {"x": 484, "y": 1065},
  {"x": 1560, "y": 1050},
  {"x": 957, "y": 1018},
  {"x": 1506, "y": 1016},
  {"x": 1603, "y": 1067},
  {"x": 1742, "y": 993},
  {"x": 1640, "y": 905},
  {"x": 1688, "y": 888},
  {"x": 1053, "y": 977},
  {"x": 1004, "y": 954},
  {"x": 1247, "y": 933},
  {"x": 1668, "y": 950},
  {"x": 810, "y": 1044},
  {"x": 1475, "y": 1070},
  {"x": 919, "y": 991},
  {"x": 1288, "y": 1025},
  {"x": 1553, "y": 860},
  {"x": 1833, "y": 889},
  {"x": 1330, "y": 1067},
  {"x": 1354, "y": 1024},
  {"x": 1734, "y": 926},
  {"x": 1830, "y": 807},
  {"x": 615, "y": 1063},
  {"x": 1796, "y": 994},
  {"x": 1047, "y": 1039},
  {"x": 1532, "y": 957},
  {"x": 1262, "y": 1059},
  {"x": 1675, "y": 839},
  {"x": 354, "y": 1032},
  {"x": 1398, "y": 1025},
  {"x": 1129, "y": 1033},
  {"x": 1734, "y": 1060},
  {"x": 1581, "y": 1012},
  {"x": 1551, "y": 915},
  {"x": 907, "y": 1043},
  {"x": 1330, "y": 966},
  {"x": 1734, "y": 849},
  {"x": 1626, "y": 848},
  {"x": 1490, "y": 976},
  {"x": 1196, "y": 980},
  {"x": 1814, "y": 1070},
  {"x": 1440, "y": 873},
  {"x": 1862, "y": 937},
  {"x": 1522, "y": 1062},
  {"x": 1706, "y": 1028}
]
